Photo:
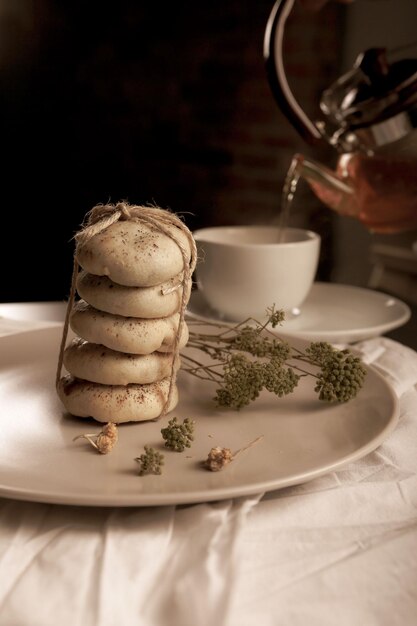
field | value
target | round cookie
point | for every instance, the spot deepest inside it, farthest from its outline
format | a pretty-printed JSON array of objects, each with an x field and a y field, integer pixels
[
  {"x": 134, "y": 254},
  {"x": 145, "y": 302},
  {"x": 107, "y": 403},
  {"x": 126, "y": 334},
  {"x": 98, "y": 364}
]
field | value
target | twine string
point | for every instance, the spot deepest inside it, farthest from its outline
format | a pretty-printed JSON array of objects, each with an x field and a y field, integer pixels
[{"x": 104, "y": 215}]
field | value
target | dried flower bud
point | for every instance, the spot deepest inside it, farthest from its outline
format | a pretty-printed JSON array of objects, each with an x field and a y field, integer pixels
[
  {"x": 218, "y": 457},
  {"x": 150, "y": 462},
  {"x": 105, "y": 440},
  {"x": 178, "y": 436}
]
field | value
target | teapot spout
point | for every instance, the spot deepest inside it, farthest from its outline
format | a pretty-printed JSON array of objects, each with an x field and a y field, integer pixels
[{"x": 334, "y": 192}]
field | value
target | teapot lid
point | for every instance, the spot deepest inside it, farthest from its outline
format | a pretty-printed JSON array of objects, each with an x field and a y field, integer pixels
[{"x": 372, "y": 92}]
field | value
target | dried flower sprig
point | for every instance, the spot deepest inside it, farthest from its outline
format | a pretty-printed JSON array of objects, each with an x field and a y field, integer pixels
[
  {"x": 150, "y": 462},
  {"x": 341, "y": 374},
  {"x": 105, "y": 440},
  {"x": 178, "y": 436},
  {"x": 219, "y": 457},
  {"x": 248, "y": 357}
]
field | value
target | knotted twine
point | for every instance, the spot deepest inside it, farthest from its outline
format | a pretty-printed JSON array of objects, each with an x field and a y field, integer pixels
[{"x": 104, "y": 215}]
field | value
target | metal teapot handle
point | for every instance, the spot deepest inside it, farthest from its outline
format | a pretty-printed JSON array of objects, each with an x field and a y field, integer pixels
[{"x": 273, "y": 55}]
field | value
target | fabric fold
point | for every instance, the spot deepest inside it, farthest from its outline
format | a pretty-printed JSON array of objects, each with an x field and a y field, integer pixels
[{"x": 154, "y": 567}]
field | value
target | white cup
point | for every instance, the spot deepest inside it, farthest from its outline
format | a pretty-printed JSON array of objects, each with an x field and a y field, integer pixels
[{"x": 243, "y": 270}]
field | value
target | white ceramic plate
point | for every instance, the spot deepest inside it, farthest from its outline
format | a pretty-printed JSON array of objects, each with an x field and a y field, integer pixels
[
  {"x": 18, "y": 317},
  {"x": 332, "y": 312},
  {"x": 302, "y": 438}
]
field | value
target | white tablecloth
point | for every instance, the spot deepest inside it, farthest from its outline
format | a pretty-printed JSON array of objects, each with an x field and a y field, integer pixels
[{"x": 341, "y": 549}]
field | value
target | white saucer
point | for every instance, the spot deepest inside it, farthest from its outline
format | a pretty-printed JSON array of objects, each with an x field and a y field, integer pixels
[{"x": 332, "y": 312}]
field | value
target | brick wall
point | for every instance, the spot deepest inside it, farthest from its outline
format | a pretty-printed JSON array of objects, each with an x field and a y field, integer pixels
[{"x": 136, "y": 101}]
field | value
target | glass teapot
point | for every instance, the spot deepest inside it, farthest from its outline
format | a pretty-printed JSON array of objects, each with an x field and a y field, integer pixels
[{"x": 370, "y": 118}]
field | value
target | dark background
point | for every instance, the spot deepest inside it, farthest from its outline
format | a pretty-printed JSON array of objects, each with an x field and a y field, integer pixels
[{"x": 150, "y": 103}]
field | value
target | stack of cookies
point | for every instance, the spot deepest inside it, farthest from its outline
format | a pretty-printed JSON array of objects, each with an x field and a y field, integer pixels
[{"x": 122, "y": 365}]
